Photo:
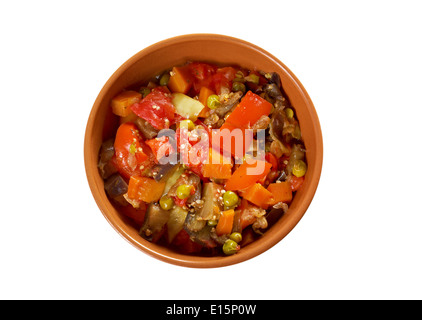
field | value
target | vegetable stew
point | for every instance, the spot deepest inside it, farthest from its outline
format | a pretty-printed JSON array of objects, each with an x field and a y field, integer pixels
[{"x": 203, "y": 158}]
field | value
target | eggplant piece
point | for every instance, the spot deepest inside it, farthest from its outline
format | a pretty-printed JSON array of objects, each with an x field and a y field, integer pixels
[
  {"x": 193, "y": 223},
  {"x": 193, "y": 199},
  {"x": 211, "y": 192},
  {"x": 115, "y": 186},
  {"x": 276, "y": 133},
  {"x": 199, "y": 231},
  {"x": 277, "y": 124},
  {"x": 255, "y": 88},
  {"x": 155, "y": 220},
  {"x": 107, "y": 150},
  {"x": 281, "y": 98},
  {"x": 195, "y": 181},
  {"x": 227, "y": 105},
  {"x": 274, "y": 215},
  {"x": 282, "y": 177},
  {"x": 164, "y": 171},
  {"x": 261, "y": 124},
  {"x": 203, "y": 236},
  {"x": 218, "y": 239},
  {"x": 176, "y": 222},
  {"x": 274, "y": 77},
  {"x": 189, "y": 179},
  {"x": 182, "y": 179},
  {"x": 147, "y": 130},
  {"x": 174, "y": 177},
  {"x": 272, "y": 90},
  {"x": 105, "y": 165}
]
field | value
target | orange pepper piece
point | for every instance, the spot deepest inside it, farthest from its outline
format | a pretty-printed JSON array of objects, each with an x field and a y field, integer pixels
[
  {"x": 204, "y": 93},
  {"x": 225, "y": 223},
  {"x": 121, "y": 103},
  {"x": 180, "y": 80},
  {"x": 217, "y": 167},
  {"x": 282, "y": 192},
  {"x": 242, "y": 178},
  {"x": 258, "y": 195},
  {"x": 145, "y": 189}
]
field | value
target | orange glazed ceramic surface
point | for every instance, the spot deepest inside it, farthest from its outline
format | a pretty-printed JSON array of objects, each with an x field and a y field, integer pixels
[{"x": 201, "y": 47}]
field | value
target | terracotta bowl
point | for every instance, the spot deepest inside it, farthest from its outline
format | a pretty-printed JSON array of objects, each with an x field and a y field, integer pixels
[{"x": 223, "y": 50}]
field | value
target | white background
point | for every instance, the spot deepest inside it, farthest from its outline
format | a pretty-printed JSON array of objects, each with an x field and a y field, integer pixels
[{"x": 360, "y": 62}]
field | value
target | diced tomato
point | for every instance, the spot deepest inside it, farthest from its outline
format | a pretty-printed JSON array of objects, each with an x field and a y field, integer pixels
[
  {"x": 269, "y": 157},
  {"x": 160, "y": 147},
  {"x": 223, "y": 79},
  {"x": 201, "y": 71},
  {"x": 193, "y": 153},
  {"x": 295, "y": 182},
  {"x": 184, "y": 244},
  {"x": 138, "y": 215},
  {"x": 205, "y": 127},
  {"x": 262, "y": 79},
  {"x": 180, "y": 202},
  {"x": 157, "y": 108},
  {"x": 209, "y": 76},
  {"x": 202, "y": 75},
  {"x": 130, "y": 151}
]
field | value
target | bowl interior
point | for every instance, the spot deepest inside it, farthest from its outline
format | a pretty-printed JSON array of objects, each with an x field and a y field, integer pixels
[{"x": 221, "y": 50}]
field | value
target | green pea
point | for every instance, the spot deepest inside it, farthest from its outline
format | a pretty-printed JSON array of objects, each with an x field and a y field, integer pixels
[
  {"x": 230, "y": 247},
  {"x": 230, "y": 199},
  {"x": 213, "y": 101},
  {"x": 238, "y": 86},
  {"x": 299, "y": 168},
  {"x": 166, "y": 202},
  {"x": 144, "y": 91},
  {"x": 212, "y": 223},
  {"x": 236, "y": 236},
  {"x": 252, "y": 78},
  {"x": 289, "y": 113},
  {"x": 183, "y": 191},
  {"x": 164, "y": 79}
]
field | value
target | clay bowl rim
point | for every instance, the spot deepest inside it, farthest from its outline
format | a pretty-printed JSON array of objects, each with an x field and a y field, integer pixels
[{"x": 162, "y": 253}]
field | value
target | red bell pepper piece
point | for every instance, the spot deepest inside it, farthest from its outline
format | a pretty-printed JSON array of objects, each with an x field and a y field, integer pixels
[
  {"x": 249, "y": 110},
  {"x": 131, "y": 154},
  {"x": 160, "y": 147}
]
